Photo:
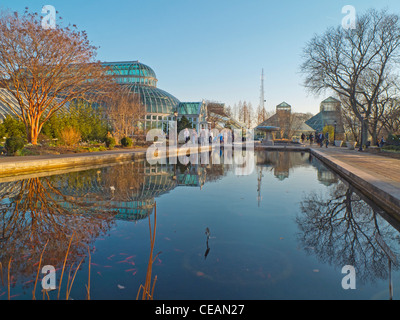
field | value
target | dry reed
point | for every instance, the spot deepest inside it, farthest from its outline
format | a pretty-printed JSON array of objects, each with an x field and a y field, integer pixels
[
  {"x": 70, "y": 280},
  {"x": 148, "y": 294},
  {"x": 8, "y": 279},
  {"x": 62, "y": 272},
  {"x": 88, "y": 285},
  {"x": 37, "y": 274},
  {"x": 69, "y": 285},
  {"x": 1, "y": 274}
]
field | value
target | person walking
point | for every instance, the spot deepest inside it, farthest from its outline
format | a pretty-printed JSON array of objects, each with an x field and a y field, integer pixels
[
  {"x": 327, "y": 139},
  {"x": 382, "y": 142},
  {"x": 186, "y": 135},
  {"x": 311, "y": 138},
  {"x": 321, "y": 139}
]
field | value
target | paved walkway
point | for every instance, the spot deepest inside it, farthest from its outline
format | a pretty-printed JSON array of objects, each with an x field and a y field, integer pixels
[
  {"x": 383, "y": 168},
  {"x": 377, "y": 175}
]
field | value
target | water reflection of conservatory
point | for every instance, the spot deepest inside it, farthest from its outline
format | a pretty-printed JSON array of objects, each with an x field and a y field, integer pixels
[
  {"x": 125, "y": 191},
  {"x": 136, "y": 201},
  {"x": 282, "y": 162},
  {"x": 128, "y": 191}
]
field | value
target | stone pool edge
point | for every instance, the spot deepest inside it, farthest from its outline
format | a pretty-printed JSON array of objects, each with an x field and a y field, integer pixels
[{"x": 54, "y": 163}]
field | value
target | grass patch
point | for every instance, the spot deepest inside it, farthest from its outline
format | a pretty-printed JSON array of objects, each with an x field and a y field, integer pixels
[
  {"x": 391, "y": 148},
  {"x": 56, "y": 149}
]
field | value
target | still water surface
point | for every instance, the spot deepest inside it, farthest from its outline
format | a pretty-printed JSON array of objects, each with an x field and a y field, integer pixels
[{"x": 283, "y": 232}]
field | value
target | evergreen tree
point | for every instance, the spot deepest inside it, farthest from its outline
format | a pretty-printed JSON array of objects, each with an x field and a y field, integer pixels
[{"x": 183, "y": 123}]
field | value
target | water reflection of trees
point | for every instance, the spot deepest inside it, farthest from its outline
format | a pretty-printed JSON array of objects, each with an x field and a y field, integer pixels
[
  {"x": 85, "y": 204},
  {"x": 340, "y": 229},
  {"x": 36, "y": 212}
]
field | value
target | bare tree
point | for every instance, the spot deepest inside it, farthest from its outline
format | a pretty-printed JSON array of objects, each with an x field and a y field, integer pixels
[
  {"x": 391, "y": 117},
  {"x": 385, "y": 115},
  {"x": 125, "y": 111},
  {"x": 261, "y": 115},
  {"x": 245, "y": 113},
  {"x": 240, "y": 112},
  {"x": 45, "y": 69},
  {"x": 357, "y": 64},
  {"x": 235, "y": 112},
  {"x": 229, "y": 111},
  {"x": 382, "y": 105},
  {"x": 350, "y": 122}
]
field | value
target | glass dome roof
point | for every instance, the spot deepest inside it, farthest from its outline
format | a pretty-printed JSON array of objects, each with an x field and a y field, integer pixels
[
  {"x": 155, "y": 99},
  {"x": 133, "y": 72},
  {"x": 142, "y": 80}
]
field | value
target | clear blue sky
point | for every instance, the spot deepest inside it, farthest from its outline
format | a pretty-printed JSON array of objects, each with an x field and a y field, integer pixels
[{"x": 211, "y": 49}]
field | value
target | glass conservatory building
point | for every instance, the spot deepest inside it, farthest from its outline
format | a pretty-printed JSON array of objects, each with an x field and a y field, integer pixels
[
  {"x": 140, "y": 79},
  {"x": 160, "y": 106}
]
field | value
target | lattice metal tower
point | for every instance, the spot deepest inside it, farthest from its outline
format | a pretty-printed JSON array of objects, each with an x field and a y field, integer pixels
[{"x": 262, "y": 99}]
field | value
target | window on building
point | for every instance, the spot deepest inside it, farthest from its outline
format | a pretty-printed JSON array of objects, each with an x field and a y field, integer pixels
[{"x": 329, "y": 107}]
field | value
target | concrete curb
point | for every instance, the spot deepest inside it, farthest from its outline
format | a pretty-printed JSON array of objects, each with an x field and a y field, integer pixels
[{"x": 35, "y": 165}]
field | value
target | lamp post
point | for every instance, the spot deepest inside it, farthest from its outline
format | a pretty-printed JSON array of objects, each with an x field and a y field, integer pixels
[
  {"x": 362, "y": 132},
  {"x": 334, "y": 132}
]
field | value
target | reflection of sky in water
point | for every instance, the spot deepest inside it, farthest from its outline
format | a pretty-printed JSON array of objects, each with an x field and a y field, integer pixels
[{"x": 261, "y": 246}]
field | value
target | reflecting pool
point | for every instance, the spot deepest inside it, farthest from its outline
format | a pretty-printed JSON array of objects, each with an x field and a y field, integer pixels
[{"x": 284, "y": 231}]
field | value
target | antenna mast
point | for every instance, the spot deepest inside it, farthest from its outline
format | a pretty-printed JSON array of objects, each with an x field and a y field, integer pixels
[{"x": 262, "y": 100}]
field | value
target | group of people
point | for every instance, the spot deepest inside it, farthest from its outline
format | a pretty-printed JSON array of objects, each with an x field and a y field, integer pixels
[
  {"x": 319, "y": 137},
  {"x": 204, "y": 134},
  {"x": 186, "y": 135},
  {"x": 322, "y": 139},
  {"x": 380, "y": 143}
]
